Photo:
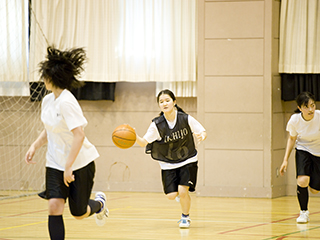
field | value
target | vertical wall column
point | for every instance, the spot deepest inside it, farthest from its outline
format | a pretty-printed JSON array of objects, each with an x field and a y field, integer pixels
[{"x": 235, "y": 97}]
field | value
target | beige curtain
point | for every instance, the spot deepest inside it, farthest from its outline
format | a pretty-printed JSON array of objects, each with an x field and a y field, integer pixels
[
  {"x": 13, "y": 48},
  {"x": 132, "y": 41},
  {"x": 180, "y": 89},
  {"x": 299, "y": 50}
]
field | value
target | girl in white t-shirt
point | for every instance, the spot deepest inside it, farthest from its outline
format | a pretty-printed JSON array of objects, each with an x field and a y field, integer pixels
[
  {"x": 70, "y": 156},
  {"x": 304, "y": 134},
  {"x": 171, "y": 139}
]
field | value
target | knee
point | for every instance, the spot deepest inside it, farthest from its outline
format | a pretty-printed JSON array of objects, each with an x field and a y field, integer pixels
[
  {"x": 183, "y": 191},
  {"x": 56, "y": 206},
  {"x": 303, "y": 181},
  {"x": 172, "y": 196}
]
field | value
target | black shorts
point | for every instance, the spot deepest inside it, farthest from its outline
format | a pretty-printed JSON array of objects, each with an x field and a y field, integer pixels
[
  {"x": 309, "y": 165},
  {"x": 79, "y": 191},
  {"x": 185, "y": 175}
]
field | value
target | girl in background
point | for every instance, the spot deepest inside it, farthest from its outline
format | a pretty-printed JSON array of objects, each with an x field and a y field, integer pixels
[
  {"x": 304, "y": 134},
  {"x": 70, "y": 156},
  {"x": 170, "y": 139}
]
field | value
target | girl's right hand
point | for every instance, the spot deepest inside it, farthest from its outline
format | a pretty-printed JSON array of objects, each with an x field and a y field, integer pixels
[
  {"x": 283, "y": 167},
  {"x": 29, "y": 155}
]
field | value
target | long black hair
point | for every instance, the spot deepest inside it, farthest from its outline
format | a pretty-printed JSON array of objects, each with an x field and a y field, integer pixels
[
  {"x": 62, "y": 68},
  {"x": 172, "y": 96},
  {"x": 303, "y": 100}
]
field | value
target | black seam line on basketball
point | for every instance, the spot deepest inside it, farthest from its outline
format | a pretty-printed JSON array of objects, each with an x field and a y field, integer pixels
[
  {"x": 119, "y": 130},
  {"x": 122, "y": 138}
]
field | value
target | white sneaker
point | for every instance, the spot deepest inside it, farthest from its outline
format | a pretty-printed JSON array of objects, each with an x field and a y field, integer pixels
[
  {"x": 304, "y": 217},
  {"x": 103, "y": 213},
  {"x": 184, "y": 222}
]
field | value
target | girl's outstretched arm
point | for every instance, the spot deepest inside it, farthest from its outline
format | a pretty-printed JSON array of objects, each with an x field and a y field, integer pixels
[{"x": 141, "y": 141}]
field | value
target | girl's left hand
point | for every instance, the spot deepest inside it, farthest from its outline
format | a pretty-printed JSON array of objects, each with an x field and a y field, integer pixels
[
  {"x": 68, "y": 177},
  {"x": 200, "y": 136},
  {"x": 29, "y": 155}
]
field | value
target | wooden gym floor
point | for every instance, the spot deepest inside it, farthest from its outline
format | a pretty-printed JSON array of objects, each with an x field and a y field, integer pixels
[{"x": 151, "y": 216}]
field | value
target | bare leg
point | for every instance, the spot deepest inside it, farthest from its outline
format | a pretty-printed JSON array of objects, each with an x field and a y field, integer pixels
[{"x": 185, "y": 200}]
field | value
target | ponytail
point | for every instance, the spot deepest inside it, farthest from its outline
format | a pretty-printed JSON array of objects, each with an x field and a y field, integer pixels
[{"x": 179, "y": 108}]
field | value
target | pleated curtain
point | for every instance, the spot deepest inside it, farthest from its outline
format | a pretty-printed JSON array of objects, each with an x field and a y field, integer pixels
[
  {"x": 14, "y": 48},
  {"x": 299, "y": 36},
  {"x": 299, "y": 47},
  {"x": 125, "y": 40}
]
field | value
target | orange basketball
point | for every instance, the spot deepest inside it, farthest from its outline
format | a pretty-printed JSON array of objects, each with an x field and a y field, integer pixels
[{"x": 124, "y": 136}]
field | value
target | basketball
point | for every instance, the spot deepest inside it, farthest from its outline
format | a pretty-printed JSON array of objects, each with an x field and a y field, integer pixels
[{"x": 124, "y": 136}]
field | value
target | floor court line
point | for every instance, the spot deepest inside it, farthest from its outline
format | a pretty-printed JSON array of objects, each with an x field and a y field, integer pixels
[
  {"x": 291, "y": 233},
  {"x": 262, "y": 224},
  {"x": 23, "y": 225},
  {"x": 17, "y": 201},
  {"x": 256, "y": 225},
  {"x": 21, "y": 214}
]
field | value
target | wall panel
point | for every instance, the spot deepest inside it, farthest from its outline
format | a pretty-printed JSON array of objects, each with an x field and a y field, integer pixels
[
  {"x": 225, "y": 94},
  {"x": 234, "y": 57}
]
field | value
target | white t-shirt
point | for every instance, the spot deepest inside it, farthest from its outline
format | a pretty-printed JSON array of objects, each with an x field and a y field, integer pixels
[
  {"x": 59, "y": 116},
  {"x": 152, "y": 135},
  {"x": 308, "y": 132}
]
